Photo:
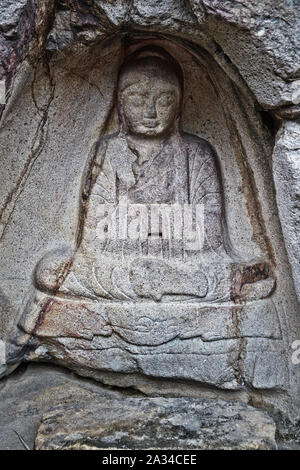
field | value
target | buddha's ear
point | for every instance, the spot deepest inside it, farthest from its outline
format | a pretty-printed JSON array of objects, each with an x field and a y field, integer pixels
[{"x": 123, "y": 128}]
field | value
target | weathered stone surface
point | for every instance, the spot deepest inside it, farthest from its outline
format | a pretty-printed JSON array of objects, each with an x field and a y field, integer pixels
[
  {"x": 156, "y": 423},
  {"x": 249, "y": 33},
  {"x": 224, "y": 318},
  {"x": 30, "y": 392},
  {"x": 24, "y": 25},
  {"x": 286, "y": 164},
  {"x": 287, "y": 434}
]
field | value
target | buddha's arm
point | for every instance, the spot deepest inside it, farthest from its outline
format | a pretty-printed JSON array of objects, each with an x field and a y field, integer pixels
[
  {"x": 52, "y": 270},
  {"x": 206, "y": 189},
  {"x": 57, "y": 264}
]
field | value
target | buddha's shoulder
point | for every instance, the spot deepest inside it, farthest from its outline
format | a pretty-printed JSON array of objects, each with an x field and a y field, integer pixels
[
  {"x": 196, "y": 143},
  {"x": 109, "y": 147}
]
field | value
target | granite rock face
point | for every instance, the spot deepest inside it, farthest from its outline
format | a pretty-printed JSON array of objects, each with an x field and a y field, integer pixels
[
  {"x": 118, "y": 114},
  {"x": 156, "y": 423},
  {"x": 30, "y": 392}
]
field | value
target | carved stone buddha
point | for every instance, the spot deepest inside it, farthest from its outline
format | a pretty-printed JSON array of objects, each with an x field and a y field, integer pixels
[
  {"x": 149, "y": 163},
  {"x": 153, "y": 260}
]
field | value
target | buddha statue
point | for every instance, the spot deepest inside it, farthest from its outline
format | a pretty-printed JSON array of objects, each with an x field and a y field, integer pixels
[{"x": 151, "y": 169}]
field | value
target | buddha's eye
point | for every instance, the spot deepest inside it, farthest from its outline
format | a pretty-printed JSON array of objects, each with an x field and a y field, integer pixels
[
  {"x": 136, "y": 99},
  {"x": 166, "y": 99}
]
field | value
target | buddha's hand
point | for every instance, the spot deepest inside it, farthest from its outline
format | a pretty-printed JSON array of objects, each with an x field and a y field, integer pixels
[
  {"x": 253, "y": 281},
  {"x": 53, "y": 268},
  {"x": 154, "y": 278}
]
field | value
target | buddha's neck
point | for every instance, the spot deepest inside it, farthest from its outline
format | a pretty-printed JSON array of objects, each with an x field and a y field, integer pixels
[{"x": 145, "y": 147}]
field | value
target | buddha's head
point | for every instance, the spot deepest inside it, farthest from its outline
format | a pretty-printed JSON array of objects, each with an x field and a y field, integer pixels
[{"x": 150, "y": 93}]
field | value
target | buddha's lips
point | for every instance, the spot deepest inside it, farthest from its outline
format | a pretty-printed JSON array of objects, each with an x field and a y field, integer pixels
[{"x": 151, "y": 123}]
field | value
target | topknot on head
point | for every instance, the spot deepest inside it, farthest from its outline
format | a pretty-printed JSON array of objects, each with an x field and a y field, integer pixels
[{"x": 152, "y": 62}]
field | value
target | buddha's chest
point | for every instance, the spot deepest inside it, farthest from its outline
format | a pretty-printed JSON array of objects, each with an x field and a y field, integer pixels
[
  {"x": 152, "y": 186},
  {"x": 156, "y": 181}
]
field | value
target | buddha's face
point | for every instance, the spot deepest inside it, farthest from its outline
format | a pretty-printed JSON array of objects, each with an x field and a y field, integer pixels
[{"x": 150, "y": 105}]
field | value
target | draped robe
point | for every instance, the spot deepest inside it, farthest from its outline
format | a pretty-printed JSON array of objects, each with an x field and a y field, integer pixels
[{"x": 183, "y": 172}]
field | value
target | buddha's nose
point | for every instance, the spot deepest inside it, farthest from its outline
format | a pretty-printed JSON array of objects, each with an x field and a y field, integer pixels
[{"x": 151, "y": 109}]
